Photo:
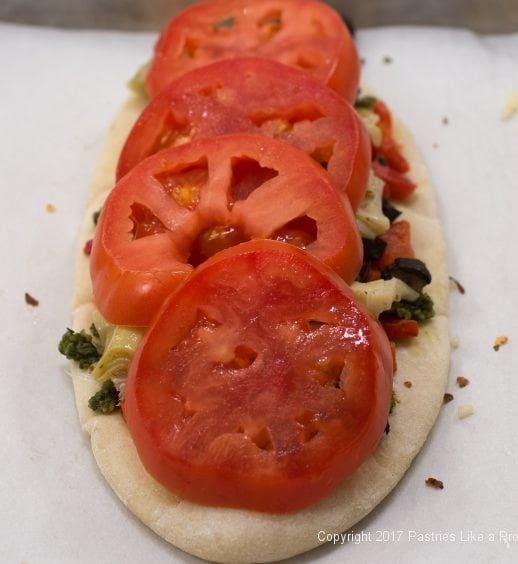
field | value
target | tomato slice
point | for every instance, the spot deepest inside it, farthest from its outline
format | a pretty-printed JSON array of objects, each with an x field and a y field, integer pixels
[
  {"x": 256, "y": 96},
  {"x": 303, "y": 33},
  {"x": 182, "y": 205},
  {"x": 261, "y": 384}
]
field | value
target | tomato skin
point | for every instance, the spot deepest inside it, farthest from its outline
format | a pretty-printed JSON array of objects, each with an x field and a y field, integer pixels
[
  {"x": 257, "y": 96},
  {"x": 309, "y": 34},
  {"x": 133, "y": 269},
  {"x": 397, "y": 185},
  {"x": 232, "y": 437}
]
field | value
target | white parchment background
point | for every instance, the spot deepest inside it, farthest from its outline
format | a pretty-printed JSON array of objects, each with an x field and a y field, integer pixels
[{"x": 59, "y": 90}]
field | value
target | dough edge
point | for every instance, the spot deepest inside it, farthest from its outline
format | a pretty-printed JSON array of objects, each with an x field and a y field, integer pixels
[{"x": 233, "y": 535}]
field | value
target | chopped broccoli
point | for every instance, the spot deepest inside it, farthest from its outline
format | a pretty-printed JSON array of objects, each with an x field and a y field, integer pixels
[
  {"x": 420, "y": 310},
  {"x": 365, "y": 102},
  {"x": 94, "y": 331},
  {"x": 106, "y": 400},
  {"x": 80, "y": 348}
]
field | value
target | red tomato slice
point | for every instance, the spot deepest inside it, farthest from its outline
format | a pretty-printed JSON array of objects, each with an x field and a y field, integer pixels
[
  {"x": 303, "y": 33},
  {"x": 184, "y": 204},
  {"x": 261, "y": 384},
  {"x": 262, "y": 97}
]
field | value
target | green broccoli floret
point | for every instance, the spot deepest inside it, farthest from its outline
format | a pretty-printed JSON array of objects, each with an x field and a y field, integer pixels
[
  {"x": 106, "y": 400},
  {"x": 365, "y": 102},
  {"x": 80, "y": 348},
  {"x": 420, "y": 310}
]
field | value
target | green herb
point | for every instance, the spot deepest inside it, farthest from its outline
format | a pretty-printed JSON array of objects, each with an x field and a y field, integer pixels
[
  {"x": 225, "y": 24},
  {"x": 95, "y": 216},
  {"x": 80, "y": 348},
  {"x": 364, "y": 102},
  {"x": 105, "y": 400},
  {"x": 420, "y": 310},
  {"x": 94, "y": 332}
]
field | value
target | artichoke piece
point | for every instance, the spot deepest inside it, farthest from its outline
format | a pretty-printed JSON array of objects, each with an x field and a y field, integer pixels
[
  {"x": 379, "y": 295},
  {"x": 118, "y": 345}
]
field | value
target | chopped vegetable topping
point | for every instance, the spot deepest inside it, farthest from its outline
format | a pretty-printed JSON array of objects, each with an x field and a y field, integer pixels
[
  {"x": 462, "y": 382},
  {"x": 397, "y": 185},
  {"x": 435, "y": 483},
  {"x": 106, "y": 400},
  {"x": 407, "y": 384},
  {"x": 420, "y": 309},
  {"x": 465, "y": 411},
  {"x": 95, "y": 217},
  {"x": 499, "y": 341},
  {"x": 373, "y": 248},
  {"x": 379, "y": 295},
  {"x": 225, "y": 24},
  {"x": 87, "y": 249},
  {"x": 399, "y": 328},
  {"x": 369, "y": 216},
  {"x": 412, "y": 271},
  {"x": 457, "y": 285},
  {"x": 365, "y": 102},
  {"x": 30, "y": 300},
  {"x": 80, "y": 348},
  {"x": 390, "y": 211},
  {"x": 447, "y": 397}
]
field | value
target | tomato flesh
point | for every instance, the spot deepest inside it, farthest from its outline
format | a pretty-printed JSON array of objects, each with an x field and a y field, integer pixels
[
  {"x": 262, "y": 97},
  {"x": 302, "y": 33},
  {"x": 261, "y": 384},
  {"x": 183, "y": 204}
]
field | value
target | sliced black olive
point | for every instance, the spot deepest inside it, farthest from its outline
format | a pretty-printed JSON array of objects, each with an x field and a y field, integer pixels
[
  {"x": 373, "y": 248},
  {"x": 364, "y": 102},
  {"x": 412, "y": 271},
  {"x": 364, "y": 271},
  {"x": 390, "y": 211}
]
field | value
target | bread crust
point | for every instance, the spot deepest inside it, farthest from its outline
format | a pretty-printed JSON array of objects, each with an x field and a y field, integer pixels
[{"x": 235, "y": 535}]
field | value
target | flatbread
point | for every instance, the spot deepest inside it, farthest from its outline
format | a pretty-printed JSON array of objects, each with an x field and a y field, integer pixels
[{"x": 235, "y": 535}]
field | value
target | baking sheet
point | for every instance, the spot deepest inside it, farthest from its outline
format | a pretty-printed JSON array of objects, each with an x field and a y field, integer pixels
[{"x": 60, "y": 89}]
